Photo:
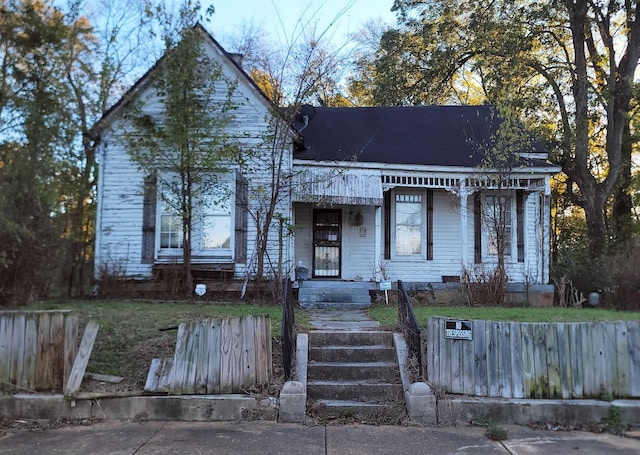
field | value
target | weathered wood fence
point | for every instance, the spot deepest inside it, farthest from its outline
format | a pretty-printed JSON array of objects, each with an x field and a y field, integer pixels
[
  {"x": 536, "y": 360},
  {"x": 216, "y": 356},
  {"x": 37, "y": 349}
]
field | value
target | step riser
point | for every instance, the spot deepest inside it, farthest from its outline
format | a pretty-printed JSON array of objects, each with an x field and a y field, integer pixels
[
  {"x": 336, "y": 372},
  {"x": 370, "y": 393},
  {"x": 339, "y": 354},
  {"x": 332, "y": 298},
  {"x": 364, "y": 414},
  {"x": 333, "y": 306},
  {"x": 320, "y": 338},
  {"x": 327, "y": 284}
]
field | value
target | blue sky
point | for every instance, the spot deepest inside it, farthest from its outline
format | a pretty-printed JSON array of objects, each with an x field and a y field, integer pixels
[{"x": 279, "y": 17}]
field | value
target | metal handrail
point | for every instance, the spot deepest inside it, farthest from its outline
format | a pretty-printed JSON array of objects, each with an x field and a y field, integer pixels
[
  {"x": 287, "y": 329},
  {"x": 409, "y": 324}
]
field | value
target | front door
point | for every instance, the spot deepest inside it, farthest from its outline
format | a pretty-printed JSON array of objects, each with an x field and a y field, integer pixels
[{"x": 327, "y": 236}]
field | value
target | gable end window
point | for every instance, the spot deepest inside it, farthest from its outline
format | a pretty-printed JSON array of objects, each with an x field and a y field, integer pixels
[{"x": 213, "y": 235}]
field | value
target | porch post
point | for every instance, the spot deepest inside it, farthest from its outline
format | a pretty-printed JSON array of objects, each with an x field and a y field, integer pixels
[
  {"x": 377, "y": 239},
  {"x": 532, "y": 234},
  {"x": 546, "y": 229},
  {"x": 463, "y": 222}
]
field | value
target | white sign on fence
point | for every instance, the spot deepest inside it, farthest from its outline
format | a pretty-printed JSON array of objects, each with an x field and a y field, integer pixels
[
  {"x": 458, "y": 330},
  {"x": 385, "y": 285}
]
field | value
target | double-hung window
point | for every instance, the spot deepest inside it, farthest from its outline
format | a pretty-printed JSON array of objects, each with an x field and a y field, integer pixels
[
  {"x": 409, "y": 223},
  {"x": 498, "y": 222},
  {"x": 212, "y": 220}
]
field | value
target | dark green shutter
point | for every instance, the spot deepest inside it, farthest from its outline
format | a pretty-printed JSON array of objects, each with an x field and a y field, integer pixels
[
  {"x": 477, "y": 228},
  {"x": 241, "y": 228},
  {"x": 429, "y": 225},
  {"x": 520, "y": 223},
  {"x": 149, "y": 218},
  {"x": 387, "y": 224}
]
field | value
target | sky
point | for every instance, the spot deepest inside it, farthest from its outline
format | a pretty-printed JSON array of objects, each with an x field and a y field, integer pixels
[{"x": 282, "y": 18}]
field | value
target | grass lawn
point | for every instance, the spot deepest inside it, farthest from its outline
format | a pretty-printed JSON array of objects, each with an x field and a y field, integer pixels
[
  {"x": 388, "y": 316},
  {"x": 129, "y": 338}
]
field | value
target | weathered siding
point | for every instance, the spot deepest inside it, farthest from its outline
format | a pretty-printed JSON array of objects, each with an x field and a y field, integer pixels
[
  {"x": 120, "y": 190},
  {"x": 358, "y": 247}
]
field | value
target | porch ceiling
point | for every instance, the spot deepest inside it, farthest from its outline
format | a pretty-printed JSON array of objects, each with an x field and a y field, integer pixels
[{"x": 338, "y": 186}]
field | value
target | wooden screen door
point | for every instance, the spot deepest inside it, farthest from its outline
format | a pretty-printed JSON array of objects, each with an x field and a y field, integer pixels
[{"x": 326, "y": 243}]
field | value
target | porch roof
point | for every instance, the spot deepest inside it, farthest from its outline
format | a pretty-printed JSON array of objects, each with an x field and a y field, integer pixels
[{"x": 338, "y": 186}]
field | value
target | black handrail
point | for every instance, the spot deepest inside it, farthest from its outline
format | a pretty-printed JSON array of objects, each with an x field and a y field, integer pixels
[
  {"x": 287, "y": 329},
  {"x": 409, "y": 324}
]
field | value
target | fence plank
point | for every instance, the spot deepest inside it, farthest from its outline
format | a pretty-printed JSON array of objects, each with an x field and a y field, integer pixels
[
  {"x": 503, "y": 344},
  {"x": 540, "y": 376},
  {"x": 70, "y": 346},
  {"x": 166, "y": 375},
  {"x": 564, "y": 360},
  {"x": 623, "y": 361},
  {"x": 633, "y": 340},
  {"x": 454, "y": 364},
  {"x": 589, "y": 361},
  {"x": 153, "y": 377},
  {"x": 516, "y": 350},
  {"x": 480, "y": 349},
  {"x": 262, "y": 369},
  {"x": 577, "y": 364},
  {"x": 600, "y": 364},
  {"x": 43, "y": 357},
  {"x": 609, "y": 359},
  {"x": 493, "y": 363},
  {"x": 17, "y": 348},
  {"x": 248, "y": 359},
  {"x": 6, "y": 329},
  {"x": 28, "y": 377},
  {"x": 528, "y": 370},
  {"x": 56, "y": 350},
  {"x": 553, "y": 361},
  {"x": 214, "y": 354},
  {"x": 191, "y": 357},
  {"x": 468, "y": 368},
  {"x": 82, "y": 359},
  {"x": 202, "y": 361},
  {"x": 179, "y": 366}
]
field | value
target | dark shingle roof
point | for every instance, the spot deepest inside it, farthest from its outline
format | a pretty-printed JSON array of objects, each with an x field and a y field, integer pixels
[{"x": 421, "y": 135}]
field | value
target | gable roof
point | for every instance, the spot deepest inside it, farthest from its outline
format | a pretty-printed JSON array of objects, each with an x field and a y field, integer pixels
[
  {"x": 148, "y": 77},
  {"x": 419, "y": 135}
]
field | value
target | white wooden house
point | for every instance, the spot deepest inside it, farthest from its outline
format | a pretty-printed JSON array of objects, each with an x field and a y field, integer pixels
[{"x": 376, "y": 193}]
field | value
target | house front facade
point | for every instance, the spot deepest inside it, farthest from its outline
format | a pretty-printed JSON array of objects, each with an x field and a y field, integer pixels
[
  {"x": 391, "y": 193},
  {"x": 373, "y": 194}
]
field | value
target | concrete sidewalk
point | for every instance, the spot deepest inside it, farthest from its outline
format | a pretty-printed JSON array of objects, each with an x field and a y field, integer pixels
[{"x": 159, "y": 438}]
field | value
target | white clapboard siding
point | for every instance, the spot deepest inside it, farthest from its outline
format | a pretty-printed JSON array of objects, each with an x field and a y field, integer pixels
[
  {"x": 536, "y": 360},
  {"x": 120, "y": 201},
  {"x": 35, "y": 348}
]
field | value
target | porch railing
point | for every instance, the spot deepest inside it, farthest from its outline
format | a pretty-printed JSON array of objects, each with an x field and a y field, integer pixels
[
  {"x": 287, "y": 329},
  {"x": 409, "y": 324}
]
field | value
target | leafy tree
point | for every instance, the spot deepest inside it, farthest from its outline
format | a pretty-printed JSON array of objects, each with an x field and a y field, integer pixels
[
  {"x": 187, "y": 142},
  {"x": 32, "y": 109},
  {"x": 571, "y": 63}
]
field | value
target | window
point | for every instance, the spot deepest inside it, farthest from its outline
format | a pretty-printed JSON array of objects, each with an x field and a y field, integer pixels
[
  {"x": 498, "y": 220},
  {"x": 216, "y": 218},
  {"x": 408, "y": 224},
  {"x": 213, "y": 218}
]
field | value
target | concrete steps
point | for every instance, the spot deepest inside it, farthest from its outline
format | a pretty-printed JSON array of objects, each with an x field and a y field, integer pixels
[
  {"x": 353, "y": 374},
  {"x": 334, "y": 295}
]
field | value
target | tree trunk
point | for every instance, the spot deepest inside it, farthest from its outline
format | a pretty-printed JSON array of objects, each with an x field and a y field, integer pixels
[
  {"x": 622, "y": 204},
  {"x": 596, "y": 229}
]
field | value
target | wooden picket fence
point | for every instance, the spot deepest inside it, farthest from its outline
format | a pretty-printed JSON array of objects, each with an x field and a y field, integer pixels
[
  {"x": 536, "y": 360},
  {"x": 227, "y": 355},
  {"x": 37, "y": 349}
]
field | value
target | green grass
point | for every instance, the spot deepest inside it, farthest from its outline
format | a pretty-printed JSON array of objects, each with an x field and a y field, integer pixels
[
  {"x": 388, "y": 316},
  {"x": 128, "y": 338}
]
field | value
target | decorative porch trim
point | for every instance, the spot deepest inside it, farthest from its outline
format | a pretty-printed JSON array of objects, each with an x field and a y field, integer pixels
[{"x": 338, "y": 186}]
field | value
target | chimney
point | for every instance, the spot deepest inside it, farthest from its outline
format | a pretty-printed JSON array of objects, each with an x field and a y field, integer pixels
[{"x": 237, "y": 58}]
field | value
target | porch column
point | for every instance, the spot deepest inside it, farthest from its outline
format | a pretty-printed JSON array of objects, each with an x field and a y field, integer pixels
[
  {"x": 464, "y": 195},
  {"x": 532, "y": 234},
  {"x": 546, "y": 230},
  {"x": 377, "y": 240}
]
